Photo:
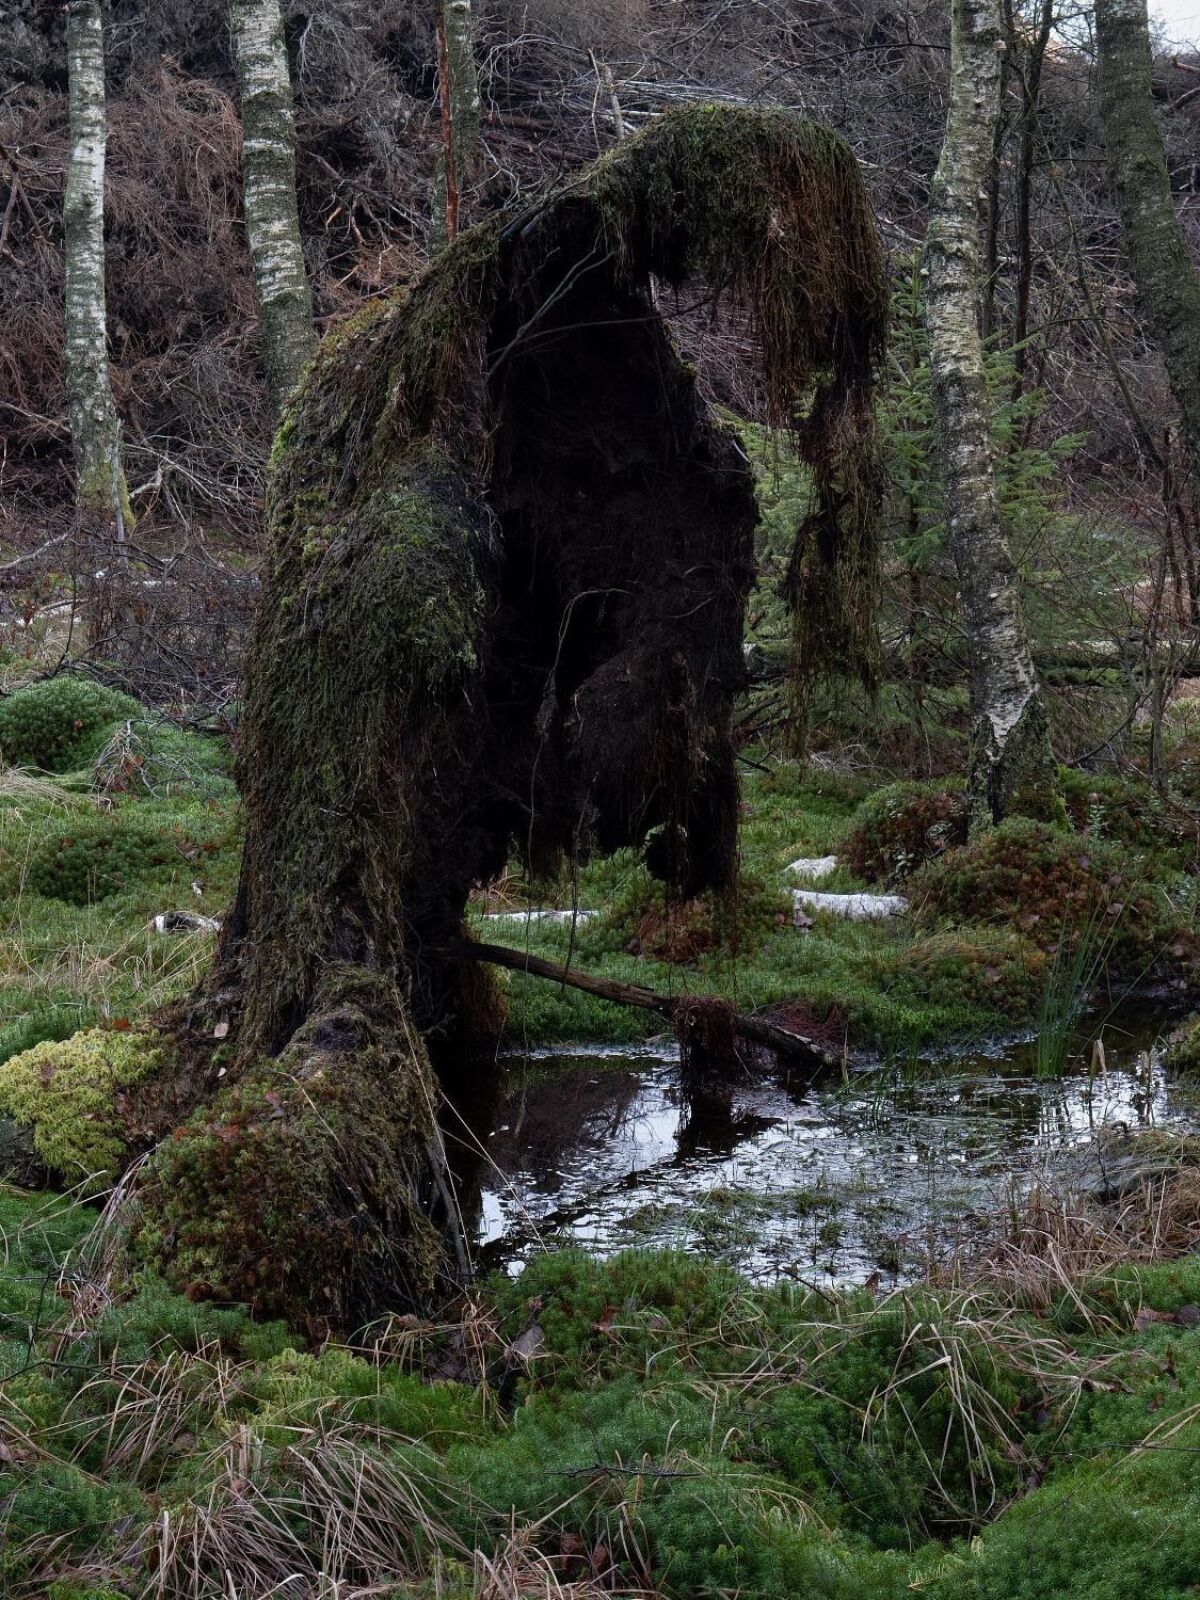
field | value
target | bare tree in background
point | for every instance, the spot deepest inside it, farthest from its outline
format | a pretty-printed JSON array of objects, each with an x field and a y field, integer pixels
[
  {"x": 1010, "y": 747},
  {"x": 458, "y": 98},
  {"x": 269, "y": 194},
  {"x": 101, "y": 491}
]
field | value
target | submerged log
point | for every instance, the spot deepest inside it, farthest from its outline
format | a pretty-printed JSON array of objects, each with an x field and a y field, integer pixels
[{"x": 791, "y": 1046}]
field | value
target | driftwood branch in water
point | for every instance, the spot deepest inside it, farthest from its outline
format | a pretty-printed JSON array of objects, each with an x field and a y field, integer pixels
[{"x": 756, "y": 1030}]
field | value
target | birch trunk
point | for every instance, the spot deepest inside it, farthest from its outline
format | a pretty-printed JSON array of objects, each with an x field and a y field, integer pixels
[
  {"x": 269, "y": 194},
  {"x": 458, "y": 96},
  {"x": 1011, "y": 762},
  {"x": 101, "y": 491},
  {"x": 1168, "y": 285}
]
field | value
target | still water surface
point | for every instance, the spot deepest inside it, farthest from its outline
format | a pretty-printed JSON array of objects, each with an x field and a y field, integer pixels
[{"x": 830, "y": 1184}]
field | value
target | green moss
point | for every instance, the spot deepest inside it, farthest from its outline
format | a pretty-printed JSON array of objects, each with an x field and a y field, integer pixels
[
  {"x": 297, "y": 1190},
  {"x": 1052, "y": 887},
  {"x": 68, "y": 1092},
  {"x": 96, "y": 857},
  {"x": 60, "y": 724},
  {"x": 1183, "y": 1047},
  {"x": 902, "y": 826}
]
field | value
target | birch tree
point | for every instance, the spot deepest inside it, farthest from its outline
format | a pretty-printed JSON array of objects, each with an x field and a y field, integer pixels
[
  {"x": 458, "y": 98},
  {"x": 269, "y": 194},
  {"x": 1168, "y": 285},
  {"x": 101, "y": 491},
  {"x": 1010, "y": 747}
]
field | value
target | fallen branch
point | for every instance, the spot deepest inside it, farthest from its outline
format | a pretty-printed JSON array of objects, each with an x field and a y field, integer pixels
[{"x": 756, "y": 1030}]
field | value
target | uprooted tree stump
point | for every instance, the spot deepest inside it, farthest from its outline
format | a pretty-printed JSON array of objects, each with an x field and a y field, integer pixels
[{"x": 510, "y": 550}]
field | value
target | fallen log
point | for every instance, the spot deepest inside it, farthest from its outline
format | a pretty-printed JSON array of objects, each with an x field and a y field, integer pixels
[{"x": 786, "y": 1043}]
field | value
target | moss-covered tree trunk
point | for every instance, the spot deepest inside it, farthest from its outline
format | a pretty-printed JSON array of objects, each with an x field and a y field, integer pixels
[
  {"x": 101, "y": 490},
  {"x": 269, "y": 194},
  {"x": 502, "y": 608},
  {"x": 1168, "y": 285},
  {"x": 1010, "y": 749},
  {"x": 458, "y": 97}
]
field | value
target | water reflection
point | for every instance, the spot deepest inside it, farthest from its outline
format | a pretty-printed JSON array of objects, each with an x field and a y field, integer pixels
[{"x": 839, "y": 1182}]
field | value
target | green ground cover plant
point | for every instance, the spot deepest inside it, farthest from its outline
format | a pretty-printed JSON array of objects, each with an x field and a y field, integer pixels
[{"x": 652, "y": 1421}]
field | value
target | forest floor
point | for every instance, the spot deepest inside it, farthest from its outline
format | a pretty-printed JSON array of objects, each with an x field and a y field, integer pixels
[
  {"x": 647, "y": 1425},
  {"x": 1025, "y": 1425},
  {"x": 139, "y": 819}
]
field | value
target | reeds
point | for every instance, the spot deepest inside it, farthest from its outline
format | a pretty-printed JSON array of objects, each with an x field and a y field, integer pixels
[{"x": 1076, "y": 969}]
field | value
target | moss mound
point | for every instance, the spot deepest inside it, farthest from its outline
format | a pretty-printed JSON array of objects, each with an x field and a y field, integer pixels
[
  {"x": 1183, "y": 1047},
  {"x": 901, "y": 827},
  {"x": 71, "y": 1094},
  {"x": 60, "y": 724},
  {"x": 1127, "y": 813},
  {"x": 98, "y": 857},
  {"x": 298, "y": 1190},
  {"x": 986, "y": 972},
  {"x": 645, "y": 920},
  {"x": 1056, "y": 888}
]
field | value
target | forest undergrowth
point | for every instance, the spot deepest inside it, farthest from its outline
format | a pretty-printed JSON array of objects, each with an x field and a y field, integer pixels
[{"x": 648, "y": 1425}]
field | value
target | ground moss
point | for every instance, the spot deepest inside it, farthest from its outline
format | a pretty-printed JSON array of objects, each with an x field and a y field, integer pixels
[
  {"x": 902, "y": 826},
  {"x": 299, "y": 1189},
  {"x": 96, "y": 857},
  {"x": 1055, "y": 888},
  {"x": 59, "y": 724},
  {"x": 1183, "y": 1047},
  {"x": 70, "y": 1092}
]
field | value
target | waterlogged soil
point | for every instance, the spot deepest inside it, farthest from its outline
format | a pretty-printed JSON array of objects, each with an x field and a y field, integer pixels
[{"x": 883, "y": 1173}]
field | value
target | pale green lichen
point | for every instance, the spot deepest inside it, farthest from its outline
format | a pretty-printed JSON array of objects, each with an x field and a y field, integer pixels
[{"x": 68, "y": 1093}]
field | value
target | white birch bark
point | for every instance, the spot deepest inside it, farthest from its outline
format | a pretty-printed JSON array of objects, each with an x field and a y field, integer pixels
[
  {"x": 269, "y": 194},
  {"x": 101, "y": 490},
  {"x": 1010, "y": 751}
]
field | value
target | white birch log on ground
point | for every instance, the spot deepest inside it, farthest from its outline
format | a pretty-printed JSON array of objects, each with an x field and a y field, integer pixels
[
  {"x": 1010, "y": 749},
  {"x": 269, "y": 194},
  {"x": 852, "y": 907},
  {"x": 101, "y": 491}
]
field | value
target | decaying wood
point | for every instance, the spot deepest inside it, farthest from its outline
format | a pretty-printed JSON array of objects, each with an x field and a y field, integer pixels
[{"x": 755, "y": 1030}]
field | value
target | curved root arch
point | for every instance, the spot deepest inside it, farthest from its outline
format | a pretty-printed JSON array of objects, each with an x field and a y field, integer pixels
[{"x": 510, "y": 551}]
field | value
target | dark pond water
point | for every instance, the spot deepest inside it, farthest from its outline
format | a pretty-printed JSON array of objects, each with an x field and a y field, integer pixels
[{"x": 832, "y": 1183}]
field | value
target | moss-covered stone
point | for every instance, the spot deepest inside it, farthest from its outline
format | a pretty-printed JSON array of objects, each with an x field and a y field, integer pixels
[
  {"x": 70, "y": 1094},
  {"x": 59, "y": 724}
]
